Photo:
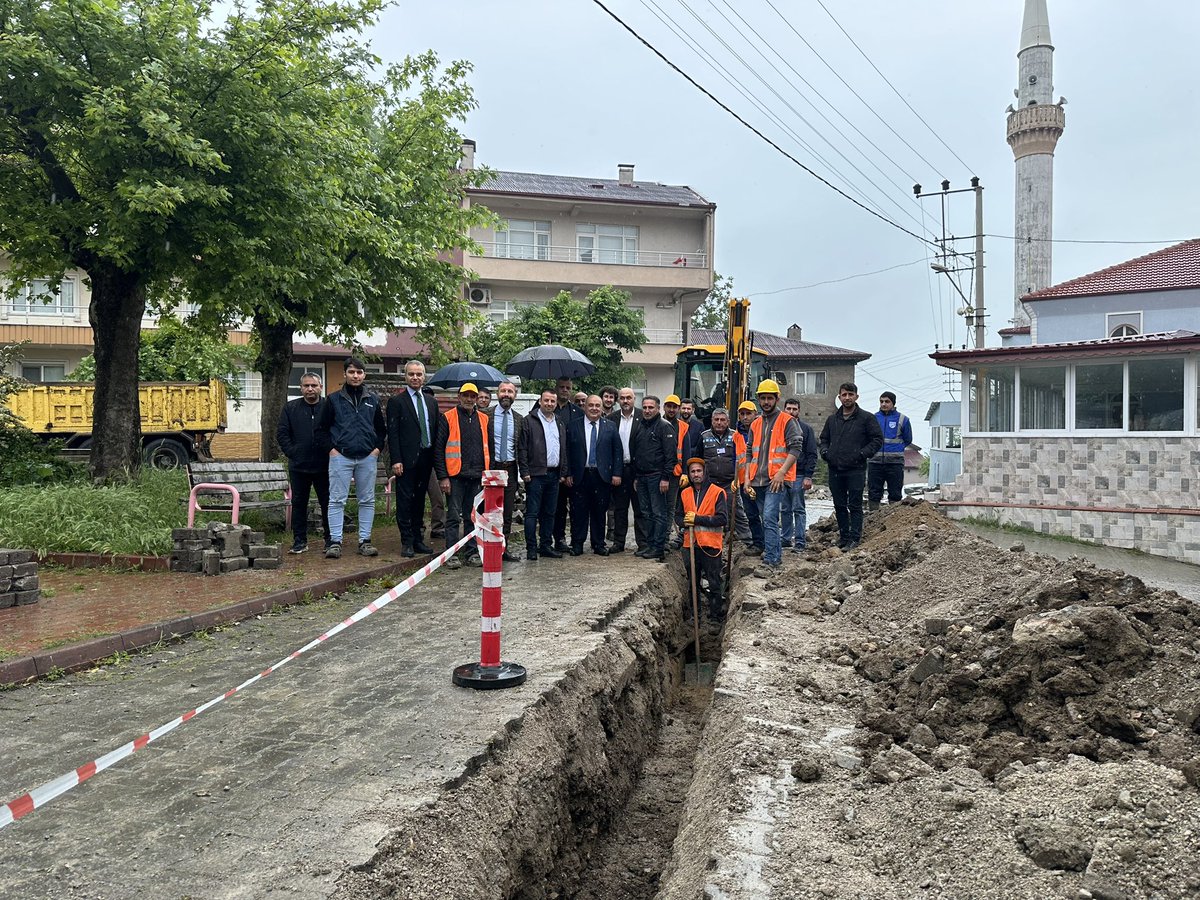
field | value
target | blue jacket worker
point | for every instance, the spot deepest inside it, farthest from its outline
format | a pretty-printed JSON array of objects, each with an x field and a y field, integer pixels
[
  {"x": 886, "y": 467},
  {"x": 352, "y": 422}
]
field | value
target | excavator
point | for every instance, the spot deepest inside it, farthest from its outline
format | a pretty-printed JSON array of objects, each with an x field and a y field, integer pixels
[{"x": 715, "y": 376}]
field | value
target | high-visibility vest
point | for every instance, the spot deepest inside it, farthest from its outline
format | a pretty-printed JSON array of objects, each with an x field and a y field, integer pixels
[
  {"x": 454, "y": 442},
  {"x": 707, "y": 536},
  {"x": 739, "y": 445},
  {"x": 682, "y": 427},
  {"x": 777, "y": 452}
]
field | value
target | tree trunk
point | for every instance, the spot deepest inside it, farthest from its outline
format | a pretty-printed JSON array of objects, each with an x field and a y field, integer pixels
[
  {"x": 274, "y": 361},
  {"x": 115, "y": 313}
]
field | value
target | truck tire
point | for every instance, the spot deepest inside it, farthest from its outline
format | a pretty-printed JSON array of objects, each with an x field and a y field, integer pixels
[{"x": 164, "y": 453}]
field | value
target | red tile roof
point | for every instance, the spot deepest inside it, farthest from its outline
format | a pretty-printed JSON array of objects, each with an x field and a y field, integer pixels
[{"x": 1168, "y": 269}]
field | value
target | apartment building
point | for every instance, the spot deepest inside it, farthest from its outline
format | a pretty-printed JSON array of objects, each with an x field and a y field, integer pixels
[{"x": 575, "y": 233}]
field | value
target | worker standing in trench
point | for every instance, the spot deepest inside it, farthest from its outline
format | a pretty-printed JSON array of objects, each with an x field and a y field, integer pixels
[{"x": 703, "y": 514}]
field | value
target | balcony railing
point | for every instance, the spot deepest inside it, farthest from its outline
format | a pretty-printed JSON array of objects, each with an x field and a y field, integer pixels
[
  {"x": 547, "y": 253},
  {"x": 663, "y": 335}
]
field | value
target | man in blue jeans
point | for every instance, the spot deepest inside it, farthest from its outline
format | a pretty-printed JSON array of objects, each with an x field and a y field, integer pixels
[
  {"x": 795, "y": 511},
  {"x": 353, "y": 421},
  {"x": 775, "y": 444},
  {"x": 850, "y": 437},
  {"x": 654, "y": 450}
]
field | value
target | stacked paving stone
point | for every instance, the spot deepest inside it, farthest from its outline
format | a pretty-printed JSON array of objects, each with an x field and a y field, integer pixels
[
  {"x": 219, "y": 548},
  {"x": 18, "y": 578}
]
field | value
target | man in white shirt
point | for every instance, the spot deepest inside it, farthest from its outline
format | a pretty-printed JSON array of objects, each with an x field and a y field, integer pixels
[
  {"x": 505, "y": 425},
  {"x": 622, "y": 497},
  {"x": 541, "y": 459}
]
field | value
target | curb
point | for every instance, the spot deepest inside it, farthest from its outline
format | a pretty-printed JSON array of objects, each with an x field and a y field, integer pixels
[
  {"x": 142, "y": 563},
  {"x": 74, "y": 657}
]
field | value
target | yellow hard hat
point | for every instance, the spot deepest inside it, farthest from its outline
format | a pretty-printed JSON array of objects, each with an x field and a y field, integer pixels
[
  {"x": 468, "y": 388},
  {"x": 671, "y": 398},
  {"x": 767, "y": 386},
  {"x": 747, "y": 404}
]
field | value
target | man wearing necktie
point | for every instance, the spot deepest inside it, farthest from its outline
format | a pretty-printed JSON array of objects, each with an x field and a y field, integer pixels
[
  {"x": 506, "y": 430},
  {"x": 412, "y": 418},
  {"x": 596, "y": 463}
]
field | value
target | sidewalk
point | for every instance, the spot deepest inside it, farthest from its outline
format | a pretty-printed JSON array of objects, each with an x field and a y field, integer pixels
[{"x": 86, "y": 615}]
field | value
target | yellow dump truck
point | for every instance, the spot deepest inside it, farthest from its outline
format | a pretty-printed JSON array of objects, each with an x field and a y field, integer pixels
[{"x": 178, "y": 419}]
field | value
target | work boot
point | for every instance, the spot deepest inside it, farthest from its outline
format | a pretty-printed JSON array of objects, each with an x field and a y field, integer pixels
[
  {"x": 366, "y": 548},
  {"x": 334, "y": 550},
  {"x": 765, "y": 570},
  {"x": 421, "y": 547},
  {"x": 872, "y": 506}
]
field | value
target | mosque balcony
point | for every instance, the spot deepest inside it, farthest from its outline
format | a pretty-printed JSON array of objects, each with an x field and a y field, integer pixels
[{"x": 1039, "y": 123}]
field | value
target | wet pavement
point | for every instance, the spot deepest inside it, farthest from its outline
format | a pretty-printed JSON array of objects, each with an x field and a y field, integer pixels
[{"x": 282, "y": 787}]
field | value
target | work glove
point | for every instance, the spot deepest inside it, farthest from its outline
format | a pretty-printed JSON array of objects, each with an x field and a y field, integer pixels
[
  {"x": 684, "y": 481},
  {"x": 689, "y": 519}
]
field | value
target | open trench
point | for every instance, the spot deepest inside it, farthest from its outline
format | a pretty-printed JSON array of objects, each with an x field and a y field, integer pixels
[{"x": 581, "y": 796}]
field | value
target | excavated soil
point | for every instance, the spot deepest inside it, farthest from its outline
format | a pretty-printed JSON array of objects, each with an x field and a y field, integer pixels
[{"x": 934, "y": 716}]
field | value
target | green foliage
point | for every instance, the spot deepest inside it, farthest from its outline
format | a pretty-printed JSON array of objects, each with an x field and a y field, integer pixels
[
  {"x": 602, "y": 328},
  {"x": 135, "y": 517},
  {"x": 27, "y": 458},
  {"x": 178, "y": 351},
  {"x": 924, "y": 469},
  {"x": 714, "y": 311}
]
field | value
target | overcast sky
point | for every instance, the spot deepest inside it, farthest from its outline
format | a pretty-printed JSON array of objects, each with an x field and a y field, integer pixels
[{"x": 563, "y": 89}]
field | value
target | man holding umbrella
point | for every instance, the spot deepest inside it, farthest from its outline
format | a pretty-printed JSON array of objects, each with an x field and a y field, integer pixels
[
  {"x": 460, "y": 456},
  {"x": 412, "y": 422}
]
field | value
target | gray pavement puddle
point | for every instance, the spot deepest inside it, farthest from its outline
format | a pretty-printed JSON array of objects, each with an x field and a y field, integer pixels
[{"x": 307, "y": 775}]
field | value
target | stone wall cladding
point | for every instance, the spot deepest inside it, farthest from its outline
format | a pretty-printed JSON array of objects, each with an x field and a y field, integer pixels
[
  {"x": 18, "y": 578},
  {"x": 1117, "y": 473}
]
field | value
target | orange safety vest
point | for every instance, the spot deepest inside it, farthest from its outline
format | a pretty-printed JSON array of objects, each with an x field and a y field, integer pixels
[
  {"x": 739, "y": 446},
  {"x": 683, "y": 430},
  {"x": 776, "y": 453},
  {"x": 708, "y": 537},
  {"x": 454, "y": 442}
]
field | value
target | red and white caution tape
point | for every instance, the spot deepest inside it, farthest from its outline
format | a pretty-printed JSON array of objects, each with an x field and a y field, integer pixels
[{"x": 43, "y": 794}]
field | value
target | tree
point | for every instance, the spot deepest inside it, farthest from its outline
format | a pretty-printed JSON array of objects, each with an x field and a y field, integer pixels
[
  {"x": 600, "y": 328},
  {"x": 139, "y": 137},
  {"x": 182, "y": 351},
  {"x": 714, "y": 311}
]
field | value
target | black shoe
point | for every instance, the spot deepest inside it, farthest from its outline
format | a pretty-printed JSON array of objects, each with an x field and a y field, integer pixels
[
  {"x": 577, "y": 551},
  {"x": 299, "y": 547},
  {"x": 644, "y": 552},
  {"x": 550, "y": 552},
  {"x": 562, "y": 547},
  {"x": 754, "y": 550},
  {"x": 531, "y": 555},
  {"x": 422, "y": 547},
  {"x": 850, "y": 545},
  {"x": 407, "y": 551},
  {"x": 509, "y": 556},
  {"x": 600, "y": 551},
  {"x": 617, "y": 548}
]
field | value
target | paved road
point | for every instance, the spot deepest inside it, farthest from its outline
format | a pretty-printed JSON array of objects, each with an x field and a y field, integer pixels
[{"x": 277, "y": 790}]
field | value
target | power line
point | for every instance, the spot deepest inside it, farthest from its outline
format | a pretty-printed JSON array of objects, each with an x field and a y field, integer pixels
[
  {"x": 892, "y": 86},
  {"x": 1009, "y": 237},
  {"x": 850, "y": 89},
  {"x": 805, "y": 287},
  {"x": 756, "y": 131}
]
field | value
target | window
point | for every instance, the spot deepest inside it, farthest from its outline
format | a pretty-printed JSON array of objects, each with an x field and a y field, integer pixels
[
  {"x": 1156, "y": 395},
  {"x": 992, "y": 394},
  {"x": 1125, "y": 324},
  {"x": 250, "y": 385},
  {"x": 607, "y": 243},
  {"x": 952, "y": 436},
  {"x": 810, "y": 383},
  {"x": 1099, "y": 396},
  {"x": 36, "y": 298},
  {"x": 499, "y": 311},
  {"x": 299, "y": 369},
  {"x": 524, "y": 239},
  {"x": 34, "y": 371},
  {"x": 1044, "y": 398},
  {"x": 639, "y": 393}
]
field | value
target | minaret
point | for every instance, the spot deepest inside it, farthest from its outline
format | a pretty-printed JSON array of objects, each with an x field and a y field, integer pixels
[{"x": 1034, "y": 128}]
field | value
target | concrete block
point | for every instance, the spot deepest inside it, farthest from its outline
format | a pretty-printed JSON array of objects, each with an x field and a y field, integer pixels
[
  {"x": 184, "y": 564},
  {"x": 25, "y": 598},
  {"x": 192, "y": 545},
  {"x": 212, "y": 562},
  {"x": 264, "y": 551},
  {"x": 258, "y": 537},
  {"x": 16, "y": 557},
  {"x": 23, "y": 569},
  {"x": 264, "y": 562},
  {"x": 234, "y": 564},
  {"x": 28, "y": 583},
  {"x": 189, "y": 534},
  {"x": 7, "y": 600},
  {"x": 229, "y": 542},
  {"x": 3, "y": 557}
]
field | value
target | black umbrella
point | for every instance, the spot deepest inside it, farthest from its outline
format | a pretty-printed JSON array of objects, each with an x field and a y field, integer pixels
[
  {"x": 455, "y": 375},
  {"x": 550, "y": 361}
]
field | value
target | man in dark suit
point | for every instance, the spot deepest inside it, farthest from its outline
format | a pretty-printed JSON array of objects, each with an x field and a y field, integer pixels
[
  {"x": 505, "y": 439},
  {"x": 542, "y": 459},
  {"x": 412, "y": 421},
  {"x": 596, "y": 464},
  {"x": 568, "y": 411},
  {"x": 626, "y": 419}
]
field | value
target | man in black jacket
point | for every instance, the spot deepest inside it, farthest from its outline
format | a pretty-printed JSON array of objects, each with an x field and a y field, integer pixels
[
  {"x": 654, "y": 450},
  {"x": 542, "y": 459},
  {"x": 412, "y": 423},
  {"x": 568, "y": 411},
  {"x": 626, "y": 419},
  {"x": 460, "y": 456},
  {"x": 308, "y": 457},
  {"x": 850, "y": 437}
]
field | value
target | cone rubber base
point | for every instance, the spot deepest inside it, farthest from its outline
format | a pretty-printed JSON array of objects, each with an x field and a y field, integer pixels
[{"x": 487, "y": 678}]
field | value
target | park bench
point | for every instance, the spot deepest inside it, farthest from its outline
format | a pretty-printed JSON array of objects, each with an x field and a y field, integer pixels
[{"x": 234, "y": 486}]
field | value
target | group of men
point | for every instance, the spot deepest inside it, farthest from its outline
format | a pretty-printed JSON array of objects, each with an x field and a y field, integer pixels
[{"x": 585, "y": 460}]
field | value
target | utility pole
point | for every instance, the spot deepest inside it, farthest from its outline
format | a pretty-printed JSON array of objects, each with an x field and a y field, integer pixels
[{"x": 949, "y": 258}]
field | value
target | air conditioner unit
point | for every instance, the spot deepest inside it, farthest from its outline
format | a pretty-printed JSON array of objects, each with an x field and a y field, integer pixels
[{"x": 480, "y": 296}]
